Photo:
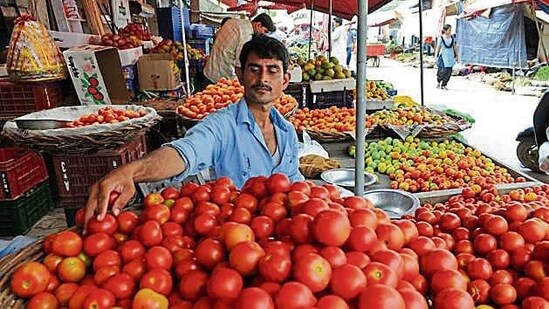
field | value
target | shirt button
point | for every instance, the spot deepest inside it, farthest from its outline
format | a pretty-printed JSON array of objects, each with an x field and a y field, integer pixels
[{"x": 244, "y": 174}]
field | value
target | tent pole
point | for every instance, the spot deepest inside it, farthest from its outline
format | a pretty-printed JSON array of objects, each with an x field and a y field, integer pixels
[
  {"x": 362, "y": 33},
  {"x": 185, "y": 56},
  {"x": 421, "y": 53},
  {"x": 330, "y": 9},
  {"x": 312, "y": 2}
]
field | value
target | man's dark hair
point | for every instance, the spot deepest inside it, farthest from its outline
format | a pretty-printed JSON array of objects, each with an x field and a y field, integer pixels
[
  {"x": 265, "y": 47},
  {"x": 265, "y": 21},
  {"x": 338, "y": 20},
  {"x": 224, "y": 20}
]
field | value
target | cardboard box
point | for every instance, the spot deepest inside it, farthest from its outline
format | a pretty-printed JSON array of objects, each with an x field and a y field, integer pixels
[
  {"x": 96, "y": 73},
  {"x": 155, "y": 72},
  {"x": 129, "y": 56}
]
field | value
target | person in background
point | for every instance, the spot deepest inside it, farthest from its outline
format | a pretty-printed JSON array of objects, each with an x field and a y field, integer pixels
[
  {"x": 244, "y": 140},
  {"x": 339, "y": 40},
  {"x": 446, "y": 55},
  {"x": 351, "y": 42},
  {"x": 223, "y": 60}
]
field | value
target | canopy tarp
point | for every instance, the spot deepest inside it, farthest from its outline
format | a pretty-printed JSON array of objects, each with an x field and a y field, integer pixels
[
  {"x": 342, "y": 8},
  {"x": 379, "y": 19},
  {"x": 482, "y": 5},
  {"x": 496, "y": 41}
]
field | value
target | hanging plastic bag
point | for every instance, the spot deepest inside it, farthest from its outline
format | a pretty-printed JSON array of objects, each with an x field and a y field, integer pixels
[
  {"x": 32, "y": 53},
  {"x": 310, "y": 146}
]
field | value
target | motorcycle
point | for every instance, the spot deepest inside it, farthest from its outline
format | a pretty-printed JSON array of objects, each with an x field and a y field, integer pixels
[{"x": 531, "y": 138}]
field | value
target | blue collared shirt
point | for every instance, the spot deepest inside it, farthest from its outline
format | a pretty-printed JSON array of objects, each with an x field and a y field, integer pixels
[{"x": 230, "y": 141}]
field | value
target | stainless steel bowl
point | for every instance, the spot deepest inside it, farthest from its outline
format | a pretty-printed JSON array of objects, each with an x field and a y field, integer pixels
[
  {"x": 345, "y": 177},
  {"x": 396, "y": 203}
]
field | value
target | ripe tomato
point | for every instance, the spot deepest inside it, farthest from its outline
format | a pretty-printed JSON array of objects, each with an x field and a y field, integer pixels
[
  {"x": 331, "y": 302},
  {"x": 158, "y": 257},
  {"x": 178, "y": 213},
  {"x": 209, "y": 253},
  {"x": 447, "y": 278},
  {"x": 479, "y": 268},
  {"x": 97, "y": 243},
  {"x": 192, "y": 285},
  {"x": 278, "y": 183},
  {"x": 64, "y": 292},
  {"x": 496, "y": 225},
  {"x": 437, "y": 259},
  {"x": 524, "y": 287},
  {"x": 533, "y": 230},
  {"x": 254, "y": 298},
  {"x": 313, "y": 271},
  {"x": 363, "y": 217},
  {"x": 234, "y": 233},
  {"x": 332, "y": 228},
  {"x": 480, "y": 291},
  {"x": 390, "y": 258},
  {"x": 67, "y": 243},
  {"x": 501, "y": 276},
  {"x": 536, "y": 270},
  {"x": 245, "y": 257},
  {"x": 535, "y": 302},
  {"x": 499, "y": 259},
  {"x": 159, "y": 280},
  {"x": 422, "y": 245},
  {"x": 224, "y": 283},
  {"x": 99, "y": 299},
  {"x": 107, "y": 258},
  {"x": 380, "y": 296},
  {"x": 170, "y": 193},
  {"x": 503, "y": 294},
  {"x": 127, "y": 222},
  {"x": 30, "y": 279},
  {"x": 300, "y": 230},
  {"x": 104, "y": 273},
  {"x": 121, "y": 285},
  {"x": 347, "y": 281},
  {"x": 379, "y": 273},
  {"x": 43, "y": 300},
  {"x": 71, "y": 269},
  {"x": 454, "y": 299},
  {"x": 150, "y": 234},
  {"x": 362, "y": 238},
  {"x": 108, "y": 225},
  {"x": 153, "y": 199},
  {"x": 485, "y": 243},
  {"x": 295, "y": 295},
  {"x": 131, "y": 250},
  {"x": 51, "y": 261},
  {"x": 262, "y": 226},
  {"x": 275, "y": 267},
  {"x": 334, "y": 255},
  {"x": 159, "y": 213}
]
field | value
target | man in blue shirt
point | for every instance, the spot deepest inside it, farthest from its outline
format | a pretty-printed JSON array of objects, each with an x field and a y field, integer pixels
[{"x": 246, "y": 139}]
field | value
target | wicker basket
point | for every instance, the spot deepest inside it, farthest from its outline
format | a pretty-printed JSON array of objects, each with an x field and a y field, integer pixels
[
  {"x": 444, "y": 130},
  {"x": 80, "y": 140},
  {"x": 9, "y": 264},
  {"x": 328, "y": 137}
]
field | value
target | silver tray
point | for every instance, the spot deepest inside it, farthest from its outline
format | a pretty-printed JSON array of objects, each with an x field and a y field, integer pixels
[
  {"x": 396, "y": 203},
  {"x": 345, "y": 177}
]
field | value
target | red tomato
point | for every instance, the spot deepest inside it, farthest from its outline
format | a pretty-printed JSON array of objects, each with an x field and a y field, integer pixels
[
  {"x": 127, "y": 222},
  {"x": 209, "y": 253},
  {"x": 153, "y": 199},
  {"x": 501, "y": 276},
  {"x": 313, "y": 271},
  {"x": 334, "y": 255},
  {"x": 511, "y": 241},
  {"x": 278, "y": 183},
  {"x": 158, "y": 280},
  {"x": 437, "y": 259},
  {"x": 363, "y": 217},
  {"x": 499, "y": 259},
  {"x": 294, "y": 295},
  {"x": 496, "y": 225},
  {"x": 78, "y": 297},
  {"x": 104, "y": 273},
  {"x": 379, "y": 273},
  {"x": 535, "y": 302},
  {"x": 71, "y": 269},
  {"x": 158, "y": 257},
  {"x": 108, "y": 225},
  {"x": 43, "y": 300},
  {"x": 331, "y": 302},
  {"x": 121, "y": 285},
  {"x": 479, "y": 268},
  {"x": 64, "y": 292},
  {"x": 503, "y": 294},
  {"x": 159, "y": 213},
  {"x": 67, "y": 243},
  {"x": 234, "y": 233},
  {"x": 533, "y": 230},
  {"x": 536, "y": 270},
  {"x": 262, "y": 226},
  {"x": 413, "y": 299},
  {"x": 224, "y": 283},
  {"x": 347, "y": 281},
  {"x": 447, "y": 278},
  {"x": 245, "y": 257},
  {"x": 524, "y": 287},
  {"x": 362, "y": 238},
  {"x": 485, "y": 243},
  {"x": 178, "y": 213},
  {"x": 97, "y": 243},
  {"x": 51, "y": 261},
  {"x": 30, "y": 279},
  {"x": 150, "y": 234},
  {"x": 107, "y": 258},
  {"x": 380, "y": 296},
  {"x": 254, "y": 298},
  {"x": 331, "y": 228},
  {"x": 454, "y": 299},
  {"x": 390, "y": 258},
  {"x": 130, "y": 250},
  {"x": 99, "y": 299},
  {"x": 275, "y": 267},
  {"x": 170, "y": 193},
  {"x": 357, "y": 258},
  {"x": 192, "y": 285},
  {"x": 480, "y": 291}
]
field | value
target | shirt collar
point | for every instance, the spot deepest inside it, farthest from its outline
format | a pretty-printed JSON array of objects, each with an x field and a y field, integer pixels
[{"x": 245, "y": 116}]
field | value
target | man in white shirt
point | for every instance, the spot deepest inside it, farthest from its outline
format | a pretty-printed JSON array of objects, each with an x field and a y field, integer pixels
[{"x": 229, "y": 40}]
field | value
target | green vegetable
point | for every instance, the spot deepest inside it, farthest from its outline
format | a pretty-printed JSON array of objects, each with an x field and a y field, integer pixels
[
  {"x": 542, "y": 74},
  {"x": 455, "y": 113}
]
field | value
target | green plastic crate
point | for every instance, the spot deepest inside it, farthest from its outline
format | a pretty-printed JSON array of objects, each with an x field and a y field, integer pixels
[{"x": 18, "y": 216}]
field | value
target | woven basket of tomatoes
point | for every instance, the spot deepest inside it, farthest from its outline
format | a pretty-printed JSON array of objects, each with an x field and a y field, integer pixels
[{"x": 80, "y": 129}]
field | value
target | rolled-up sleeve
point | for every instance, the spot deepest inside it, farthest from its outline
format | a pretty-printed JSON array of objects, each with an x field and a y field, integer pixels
[{"x": 200, "y": 147}]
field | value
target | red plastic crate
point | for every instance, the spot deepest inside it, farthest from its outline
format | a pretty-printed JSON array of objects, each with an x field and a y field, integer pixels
[
  {"x": 20, "y": 171},
  {"x": 76, "y": 173},
  {"x": 19, "y": 99},
  {"x": 376, "y": 50}
]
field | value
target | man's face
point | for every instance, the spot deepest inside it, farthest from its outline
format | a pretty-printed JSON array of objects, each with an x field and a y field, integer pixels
[
  {"x": 263, "y": 79},
  {"x": 259, "y": 29}
]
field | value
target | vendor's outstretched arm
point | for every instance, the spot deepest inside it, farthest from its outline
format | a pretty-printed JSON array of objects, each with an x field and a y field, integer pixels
[{"x": 163, "y": 163}]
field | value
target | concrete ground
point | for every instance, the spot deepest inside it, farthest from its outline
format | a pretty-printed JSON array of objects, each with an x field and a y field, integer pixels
[{"x": 499, "y": 115}]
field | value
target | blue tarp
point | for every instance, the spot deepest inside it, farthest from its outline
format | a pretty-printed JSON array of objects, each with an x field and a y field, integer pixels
[{"x": 498, "y": 41}]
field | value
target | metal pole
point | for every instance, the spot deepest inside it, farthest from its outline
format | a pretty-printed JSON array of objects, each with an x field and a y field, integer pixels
[
  {"x": 421, "y": 53},
  {"x": 311, "y": 28},
  {"x": 330, "y": 9},
  {"x": 186, "y": 59},
  {"x": 362, "y": 31}
]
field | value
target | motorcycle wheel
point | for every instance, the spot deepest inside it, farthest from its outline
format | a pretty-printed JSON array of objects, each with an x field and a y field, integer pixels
[{"x": 527, "y": 153}]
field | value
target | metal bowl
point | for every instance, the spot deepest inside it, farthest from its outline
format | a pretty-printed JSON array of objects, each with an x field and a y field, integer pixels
[
  {"x": 345, "y": 177},
  {"x": 396, "y": 203}
]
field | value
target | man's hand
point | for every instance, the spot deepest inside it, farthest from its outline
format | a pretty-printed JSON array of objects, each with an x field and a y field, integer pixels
[
  {"x": 544, "y": 157},
  {"x": 115, "y": 190}
]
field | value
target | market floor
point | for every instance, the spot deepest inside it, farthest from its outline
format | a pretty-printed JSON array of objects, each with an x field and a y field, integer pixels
[{"x": 499, "y": 115}]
